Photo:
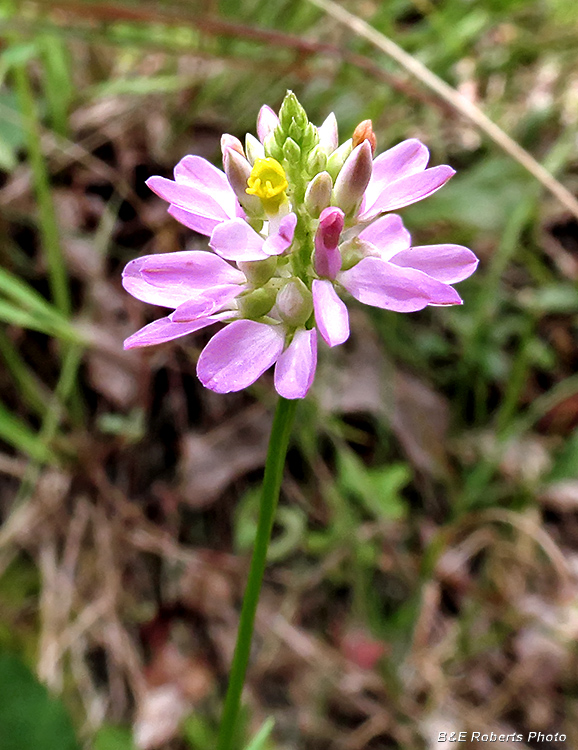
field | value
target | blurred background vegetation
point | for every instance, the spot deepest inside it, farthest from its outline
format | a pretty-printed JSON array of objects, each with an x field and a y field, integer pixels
[{"x": 424, "y": 569}]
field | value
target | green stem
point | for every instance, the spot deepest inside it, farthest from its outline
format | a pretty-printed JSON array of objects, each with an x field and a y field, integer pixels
[{"x": 276, "y": 454}]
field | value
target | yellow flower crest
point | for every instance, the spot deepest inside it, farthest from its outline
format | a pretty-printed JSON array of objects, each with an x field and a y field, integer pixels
[{"x": 268, "y": 181}]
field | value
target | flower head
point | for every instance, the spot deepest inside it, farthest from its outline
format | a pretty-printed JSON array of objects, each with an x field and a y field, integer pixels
[{"x": 295, "y": 222}]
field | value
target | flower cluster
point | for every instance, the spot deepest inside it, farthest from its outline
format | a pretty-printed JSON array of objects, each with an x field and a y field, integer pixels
[{"x": 295, "y": 221}]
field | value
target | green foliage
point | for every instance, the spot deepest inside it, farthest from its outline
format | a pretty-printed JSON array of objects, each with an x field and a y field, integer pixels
[
  {"x": 261, "y": 740},
  {"x": 113, "y": 738},
  {"x": 481, "y": 198},
  {"x": 30, "y": 719},
  {"x": 377, "y": 490},
  {"x": 290, "y": 527},
  {"x": 11, "y": 135},
  {"x": 17, "y": 433},
  {"x": 198, "y": 733}
]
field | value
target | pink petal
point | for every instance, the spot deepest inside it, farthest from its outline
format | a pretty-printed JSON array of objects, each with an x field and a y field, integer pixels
[
  {"x": 165, "y": 329},
  {"x": 388, "y": 235},
  {"x": 205, "y": 303},
  {"x": 199, "y": 173},
  {"x": 447, "y": 263},
  {"x": 382, "y": 284},
  {"x": 331, "y": 316},
  {"x": 236, "y": 240},
  {"x": 295, "y": 368},
  {"x": 267, "y": 121},
  {"x": 276, "y": 244},
  {"x": 169, "y": 279},
  {"x": 197, "y": 201},
  {"x": 201, "y": 224},
  {"x": 408, "y": 157},
  {"x": 195, "y": 198},
  {"x": 238, "y": 354},
  {"x": 408, "y": 190}
]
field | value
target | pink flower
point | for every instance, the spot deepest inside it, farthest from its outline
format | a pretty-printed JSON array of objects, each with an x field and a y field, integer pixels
[
  {"x": 280, "y": 264},
  {"x": 200, "y": 287}
]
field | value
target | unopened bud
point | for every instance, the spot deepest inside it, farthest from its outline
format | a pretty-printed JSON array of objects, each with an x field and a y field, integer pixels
[
  {"x": 272, "y": 148},
  {"x": 238, "y": 171},
  {"x": 296, "y": 131},
  {"x": 310, "y": 138},
  {"x": 267, "y": 121},
  {"x": 355, "y": 250},
  {"x": 318, "y": 194},
  {"x": 327, "y": 255},
  {"x": 292, "y": 112},
  {"x": 316, "y": 161},
  {"x": 364, "y": 132},
  {"x": 328, "y": 137},
  {"x": 258, "y": 272},
  {"x": 353, "y": 178},
  {"x": 295, "y": 303},
  {"x": 338, "y": 158},
  {"x": 291, "y": 152},
  {"x": 254, "y": 149},
  {"x": 257, "y": 303}
]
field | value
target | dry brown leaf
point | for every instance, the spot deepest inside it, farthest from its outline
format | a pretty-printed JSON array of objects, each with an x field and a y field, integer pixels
[
  {"x": 420, "y": 421},
  {"x": 211, "y": 461}
]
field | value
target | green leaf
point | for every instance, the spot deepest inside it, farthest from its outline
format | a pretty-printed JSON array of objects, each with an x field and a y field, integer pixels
[
  {"x": 259, "y": 741},
  {"x": 290, "y": 527},
  {"x": 113, "y": 738},
  {"x": 566, "y": 462},
  {"x": 199, "y": 735},
  {"x": 58, "y": 86},
  {"x": 11, "y": 132},
  {"x": 483, "y": 197},
  {"x": 35, "y": 322},
  {"x": 30, "y": 718},
  {"x": 552, "y": 298},
  {"x": 16, "y": 433},
  {"x": 16, "y": 54},
  {"x": 377, "y": 489},
  {"x": 19, "y": 291}
]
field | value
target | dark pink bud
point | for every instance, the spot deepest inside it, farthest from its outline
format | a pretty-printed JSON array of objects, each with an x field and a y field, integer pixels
[{"x": 327, "y": 255}]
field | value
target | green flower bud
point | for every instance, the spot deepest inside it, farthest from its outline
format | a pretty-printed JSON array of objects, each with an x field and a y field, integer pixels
[
  {"x": 271, "y": 148},
  {"x": 295, "y": 132},
  {"x": 254, "y": 149},
  {"x": 295, "y": 303},
  {"x": 338, "y": 158},
  {"x": 257, "y": 303},
  {"x": 291, "y": 152},
  {"x": 316, "y": 161},
  {"x": 258, "y": 272},
  {"x": 292, "y": 111},
  {"x": 310, "y": 138},
  {"x": 355, "y": 250}
]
